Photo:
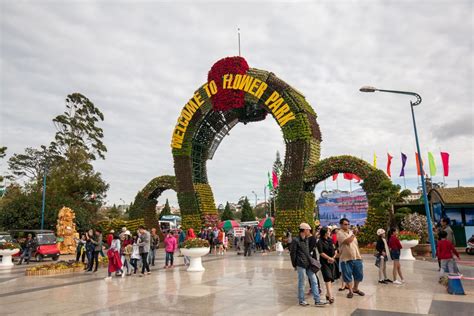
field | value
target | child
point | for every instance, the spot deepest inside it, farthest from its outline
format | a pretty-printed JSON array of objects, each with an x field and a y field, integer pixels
[
  {"x": 135, "y": 254},
  {"x": 170, "y": 247},
  {"x": 382, "y": 256},
  {"x": 445, "y": 250},
  {"x": 279, "y": 247}
]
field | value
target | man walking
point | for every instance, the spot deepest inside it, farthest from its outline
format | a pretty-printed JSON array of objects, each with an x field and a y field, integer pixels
[
  {"x": 248, "y": 241},
  {"x": 300, "y": 259},
  {"x": 445, "y": 227},
  {"x": 154, "y": 244},
  {"x": 144, "y": 247},
  {"x": 96, "y": 241},
  {"x": 27, "y": 249},
  {"x": 350, "y": 258}
]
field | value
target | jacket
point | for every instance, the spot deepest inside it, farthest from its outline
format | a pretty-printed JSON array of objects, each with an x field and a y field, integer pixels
[
  {"x": 299, "y": 253},
  {"x": 97, "y": 242},
  {"x": 144, "y": 243},
  {"x": 248, "y": 237},
  {"x": 170, "y": 244},
  {"x": 154, "y": 241}
]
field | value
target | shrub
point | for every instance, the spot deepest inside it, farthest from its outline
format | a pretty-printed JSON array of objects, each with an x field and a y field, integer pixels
[{"x": 195, "y": 243}]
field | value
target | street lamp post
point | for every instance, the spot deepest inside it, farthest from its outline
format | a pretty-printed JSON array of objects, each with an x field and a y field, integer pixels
[
  {"x": 255, "y": 198},
  {"x": 44, "y": 196},
  {"x": 423, "y": 184}
]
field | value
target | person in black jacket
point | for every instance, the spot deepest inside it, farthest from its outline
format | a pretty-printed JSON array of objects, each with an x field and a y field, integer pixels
[
  {"x": 381, "y": 256},
  {"x": 327, "y": 254},
  {"x": 300, "y": 259}
]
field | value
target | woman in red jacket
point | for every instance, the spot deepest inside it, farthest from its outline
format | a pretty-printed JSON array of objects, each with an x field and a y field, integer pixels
[{"x": 394, "y": 245}]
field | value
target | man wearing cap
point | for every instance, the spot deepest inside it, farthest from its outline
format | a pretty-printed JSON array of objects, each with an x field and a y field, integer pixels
[
  {"x": 350, "y": 258},
  {"x": 300, "y": 259}
]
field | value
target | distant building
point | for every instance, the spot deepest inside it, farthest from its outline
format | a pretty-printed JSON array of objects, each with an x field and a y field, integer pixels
[{"x": 458, "y": 205}]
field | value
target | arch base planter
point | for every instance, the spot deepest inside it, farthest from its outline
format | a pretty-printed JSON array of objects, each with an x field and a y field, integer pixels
[
  {"x": 405, "y": 253},
  {"x": 195, "y": 254},
  {"x": 7, "y": 257}
]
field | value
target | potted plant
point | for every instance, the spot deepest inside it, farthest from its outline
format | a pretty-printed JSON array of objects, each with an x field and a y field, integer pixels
[
  {"x": 418, "y": 224},
  {"x": 7, "y": 250},
  {"x": 195, "y": 249},
  {"x": 408, "y": 240}
]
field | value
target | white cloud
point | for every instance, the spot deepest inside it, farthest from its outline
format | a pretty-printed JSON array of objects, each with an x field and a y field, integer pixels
[{"x": 140, "y": 62}]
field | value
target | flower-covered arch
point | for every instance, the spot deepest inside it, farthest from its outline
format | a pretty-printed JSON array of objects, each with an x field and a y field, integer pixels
[{"x": 236, "y": 93}]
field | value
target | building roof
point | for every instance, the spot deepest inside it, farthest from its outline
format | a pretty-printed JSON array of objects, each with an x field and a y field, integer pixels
[{"x": 461, "y": 195}]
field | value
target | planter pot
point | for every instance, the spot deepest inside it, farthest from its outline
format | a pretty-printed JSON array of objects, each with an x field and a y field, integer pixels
[
  {"x": 405, "y": 253},
  {"x": 423, "y": 250},
  {"x": 7, "y": 257},
  {"x": 195, "y": 254}
]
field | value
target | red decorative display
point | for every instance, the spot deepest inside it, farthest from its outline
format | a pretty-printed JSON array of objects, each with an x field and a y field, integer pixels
[{"x": 227, "y": 99}]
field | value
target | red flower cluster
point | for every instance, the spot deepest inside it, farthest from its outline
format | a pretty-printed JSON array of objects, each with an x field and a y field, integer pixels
[{"x": 227, "y": 99}]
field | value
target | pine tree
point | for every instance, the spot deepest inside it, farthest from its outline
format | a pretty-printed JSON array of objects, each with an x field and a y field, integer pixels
[
  {"x": 247, "y": 212},
  {"x": 113, "y": 212},
  {"x": 227, "y": 214},
  {"x": 166, "y": 210}
]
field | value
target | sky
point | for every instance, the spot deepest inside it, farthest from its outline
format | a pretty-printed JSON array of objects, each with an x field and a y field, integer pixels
[{"x": 139, "y": 62}]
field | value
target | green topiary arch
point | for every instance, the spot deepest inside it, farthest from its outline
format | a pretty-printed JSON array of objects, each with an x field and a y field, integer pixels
[
  {"x": 344, "y": 164},
  {"x": 149, "y": 195}
]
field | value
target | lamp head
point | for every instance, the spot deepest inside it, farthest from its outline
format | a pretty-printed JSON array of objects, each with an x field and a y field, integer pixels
[{"x": 367, "y": 89}]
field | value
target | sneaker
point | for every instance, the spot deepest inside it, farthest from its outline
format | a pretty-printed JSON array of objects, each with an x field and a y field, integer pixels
[
  {"x": 108, "y": 278},
  {"x": 382, "y": 282},
  {"x": 403, "y": 281},
  {"x": 122, "y": 275},
  {"x": 320, "y": 304},
  {"x": 388, "y": 281},
  {"x": 397, "y": 282},
  {"x": 148, "y": 273},
  {"x": 304, "y": 303}
]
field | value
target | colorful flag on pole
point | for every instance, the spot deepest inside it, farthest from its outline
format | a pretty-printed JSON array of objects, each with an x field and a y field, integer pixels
[
  {"x": 356, "y": 178},
  {"x": 348, "y": 176},
  {"x": 275, "y": 179},
  {"x": 419, "y": 166},
  {"x": 334, "y": 176},
  {"x": 445, "y": 159},
  {"x": 432, "y": 164},
  {"x": 389, "y": 162},
  {"x": 375, "y": 160},
  {"x": 270, "y": 185},
  {"x": 404, "y": 162}
]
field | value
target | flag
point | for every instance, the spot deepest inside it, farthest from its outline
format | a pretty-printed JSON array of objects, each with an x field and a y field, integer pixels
[
  {"x": 418, "y": 164},
  {"x": 445, "y": 159},
  {"x": 348, "y": 176},
  {"x": 356, "y": 177},
  {"x": 404, "y": 162},
  {"x": 432, "y": 164},
  {"x": 375, "y": 160},
  {"x": 334, "y": 176},
  {"x": 275, "y": 179},
  {"x": 270, "y": 185},
  {"x": 389, "y": 162}
]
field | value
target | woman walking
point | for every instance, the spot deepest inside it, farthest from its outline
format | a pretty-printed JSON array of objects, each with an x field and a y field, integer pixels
[
  {"x": 327, "y": 258},
  {"x": 115, "y": 263},
  {"x": 135, "y": 254},
  {"x": 382, "y": 256},
  {"x": 395, "y": 246}
]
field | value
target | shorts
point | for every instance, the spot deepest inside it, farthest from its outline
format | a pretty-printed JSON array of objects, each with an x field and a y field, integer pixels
[
  {"x": 395, "y": 254},
  {"x": 352, "y": 268}
]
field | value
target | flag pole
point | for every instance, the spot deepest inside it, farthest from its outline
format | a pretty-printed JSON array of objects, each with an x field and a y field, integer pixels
[
  {"x": 238, "y": 34},
  {"x": 444, "y": 178}
]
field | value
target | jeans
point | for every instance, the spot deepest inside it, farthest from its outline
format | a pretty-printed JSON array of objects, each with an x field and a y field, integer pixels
[
  {"x": 134, "y": 263},
  {"x": 151, "y": 256},
  {"x": 26, "y": 254},
  {"x": 169, "y": 258},
  {"x": 448, "y": 266},
  {"x": 145, "y": 265},
  {"x": 301, "y": 281},
  {"x": 94, "y": 258},
  {"x": 125, "y": 263},
  {"x": 382, "y": 268}
]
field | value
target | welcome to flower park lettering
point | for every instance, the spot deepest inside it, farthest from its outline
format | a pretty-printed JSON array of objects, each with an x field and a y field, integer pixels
[{"x": 254, "y": 86}]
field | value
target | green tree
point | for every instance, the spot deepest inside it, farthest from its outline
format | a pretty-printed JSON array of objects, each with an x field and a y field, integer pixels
[
  {"x": 77, "y": 128},
  {"x": 114, "y": 212},
  {"x": 227, "y": 214},
  {"x": 166, "y": 210},
  {"x": 3, "y": 151},
  {"x": 247, "y": 212}
]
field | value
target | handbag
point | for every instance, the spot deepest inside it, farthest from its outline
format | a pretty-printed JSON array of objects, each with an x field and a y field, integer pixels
[{"x": 314, "y": 265}]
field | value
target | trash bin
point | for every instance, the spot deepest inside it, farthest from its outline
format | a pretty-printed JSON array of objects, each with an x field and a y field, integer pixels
[{"x": 455, "y": 284}]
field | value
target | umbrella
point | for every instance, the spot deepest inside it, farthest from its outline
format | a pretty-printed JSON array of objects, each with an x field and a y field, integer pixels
[
  {"x": 228, "y": 224},
  {"x": 266, "y": 222}
]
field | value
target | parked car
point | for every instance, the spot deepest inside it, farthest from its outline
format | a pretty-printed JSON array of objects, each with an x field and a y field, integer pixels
[{"x": 45, "y": 243}]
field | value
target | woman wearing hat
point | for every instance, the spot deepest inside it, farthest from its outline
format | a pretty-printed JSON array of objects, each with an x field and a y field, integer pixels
[{"x": 382, "y": 256}]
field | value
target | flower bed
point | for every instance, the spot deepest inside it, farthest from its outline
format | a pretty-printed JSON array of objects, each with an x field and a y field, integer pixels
[
  {"x": 406, "y": 235},
  {"x": 9, "y": 246},
  {"x": 61, "y": 267},
  {"x": 195, "y": 243}
]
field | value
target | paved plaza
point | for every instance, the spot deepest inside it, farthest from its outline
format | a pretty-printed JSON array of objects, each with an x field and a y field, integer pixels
[{"x": 231, "y": 285}]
